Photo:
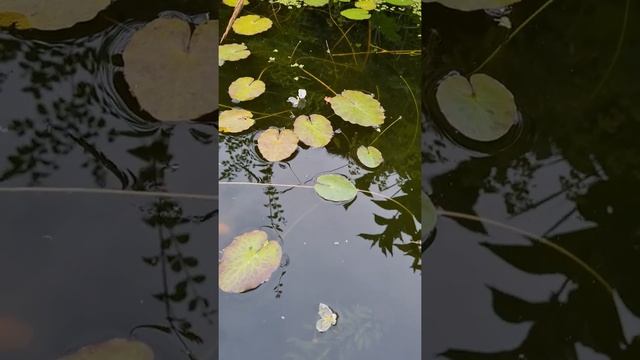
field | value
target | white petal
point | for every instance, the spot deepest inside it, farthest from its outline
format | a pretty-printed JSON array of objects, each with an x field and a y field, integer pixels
[{"x": 302, "y": 93}]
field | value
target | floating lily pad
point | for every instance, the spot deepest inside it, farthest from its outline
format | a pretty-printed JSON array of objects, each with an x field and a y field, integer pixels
[
  {"x": 246, "y": 88},
  {"x": 316, "y": 3},
  {"x": 232, "y": 52},
  {"x": 369, "y": 156},
  {"x": 235, "y": 120},
  {"x": 355, "y": 14},
  {"x": 472, "y": 5},
  {"x": 277, "y": 145},
  {"x": 335, "y": 187},
  {"x": 168, "y": 69},
  {"x": 48, "y": 14},
  {"x": 314, "y": 130},
  {"x": 327, "y": 318},
  {"x": 482, "y": 109},
  {"x": 248, "y": 262},
  {"x": 358, "y": 108},
  {"x": 113, "y": 349},
  {"x": 365, "y": 4},
  {"x": 429, "y": 215},
  {"x": 400, "y": 2},
  {"x": 251, "y": 24},
  {"x": 232, "y": 3}
]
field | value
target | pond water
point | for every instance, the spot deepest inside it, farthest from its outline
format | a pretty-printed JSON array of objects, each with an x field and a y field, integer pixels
[
  {"x": 361, "y": 258},
  {"x": 569, "y": 172},
  {"x": 80, "y": 268}
]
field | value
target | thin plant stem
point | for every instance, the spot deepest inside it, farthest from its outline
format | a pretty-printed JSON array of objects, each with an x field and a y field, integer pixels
[
  {"x": 385, "y": 130},
  {"x": 262, "y": 72},
  {"x": 614, "y": 60},
  {"x": 417, "y": 107},
  {"x": 318, "y": 80},
  {"x": 311, "y": 187},
  {"x": 532, "y": 236},
  {"x": 272, "y": 115},
  {"x": 513, "y": 34},
  {"x": 70, "y": 190}
]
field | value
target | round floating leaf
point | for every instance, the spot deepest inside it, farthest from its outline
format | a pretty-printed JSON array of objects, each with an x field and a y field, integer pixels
[
  {"x": 471, "y": 5},
  {"x": 316, "y": 2},
  {"x": 355, "y": 14},
  {"x": 366, "y": 4},
  {"x": 232, "y": 52},
  {"x": 314, "y": 130},
  {"x": 235, "y": 120},
  {"x": 48, "y": 14},
  {"x": 251, "y": 24},
  {"x": 232, "y": 3},
  {"x": 357, "y": 108},
  {"x": 168, "y": 69},
  {"x": 113, "y": 349},
  {"x": 369, "y": 156},
  {"x": 246, "y": 88},
  {"x": 334, "y": 187},
  {"x": 483, "y": 109},
  {"x": 429, "y": 215},
  {"x": 276, "y": 145},
  {"x": 248, "y": 261},
  {"x": 400, "y": 2}
]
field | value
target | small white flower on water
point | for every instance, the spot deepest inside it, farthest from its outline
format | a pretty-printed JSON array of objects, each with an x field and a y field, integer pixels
[
  {"x": 504, "y": 22},
  {"x": 295, "y": 101},
  {"x": 272, "y": 59},
  {"x": 275, "y": 50},
  {"x": 296, "y": 78},
  {"x": 378, "y": 129}
]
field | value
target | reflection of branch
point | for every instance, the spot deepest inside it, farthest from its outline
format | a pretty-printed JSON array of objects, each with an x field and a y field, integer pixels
[
  {"x": 311, "y": 187},
  {"x": 552, "y": 245},
  {"x": 109, "y": 192}
]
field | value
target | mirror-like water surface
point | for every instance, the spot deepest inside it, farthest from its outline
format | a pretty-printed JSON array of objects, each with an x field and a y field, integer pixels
[
  {"x": 569, "y": 174},
  {"x": 82, "y": 268},
  {"x": 361, "y": 258}
]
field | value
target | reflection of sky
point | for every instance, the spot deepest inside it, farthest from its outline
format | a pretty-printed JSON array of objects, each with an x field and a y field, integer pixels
[{"x": 342, "y": 276}]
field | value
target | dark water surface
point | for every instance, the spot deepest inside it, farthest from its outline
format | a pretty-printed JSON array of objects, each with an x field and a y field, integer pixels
[
  {"x": 82, "y": 268},
  {"x": 362, "y": 258},
  {"x": 570, "y": 172}
]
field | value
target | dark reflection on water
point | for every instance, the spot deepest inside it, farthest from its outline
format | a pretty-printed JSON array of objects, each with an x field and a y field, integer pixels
[
  {"x": 83, "y": 268},
  {"x": 572, "y": 177}
]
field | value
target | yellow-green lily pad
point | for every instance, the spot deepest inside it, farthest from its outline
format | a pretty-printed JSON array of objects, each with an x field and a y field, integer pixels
[
  {"x": 232, "y": 52},
  {"x": 369, "y": 156},
  {"x": 168, "y": 69},
  {"x": 251, "y": 24},
  {"x": 248, "y": 262},
  {"x": 358, "y": 108},
  {"x": 48, "y": 14},
  {"x": 313, "y": 130},
  {"x": 316, "y": 3},
  {"x": 480, "y": 108},
  {"x": 232, "y": 3},
  {"x": 246, "y": 88},
  {"x": 356, "y": 14},
  {"x": 277, "y": 145},
  {"x": 400, "y": 2},
  {"x": 113, "y": 349},
  {"x": 335, "y": 187},
  {"x": 472, "y": 5},
  {"x": 235, "y": 120},
  {"x": 365, "y": 4}
]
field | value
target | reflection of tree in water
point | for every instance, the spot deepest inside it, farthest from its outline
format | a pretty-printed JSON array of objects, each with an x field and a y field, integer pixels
[
  {"x": 597, "y": 139},
  {"x": 357, "y": 330},
  {"x": 71, "y": 115},
  {"x": 181, "y": 278}
]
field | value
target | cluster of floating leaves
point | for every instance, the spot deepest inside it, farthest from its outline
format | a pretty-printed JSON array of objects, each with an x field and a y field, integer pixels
[{"x": 361, "y": 9}]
